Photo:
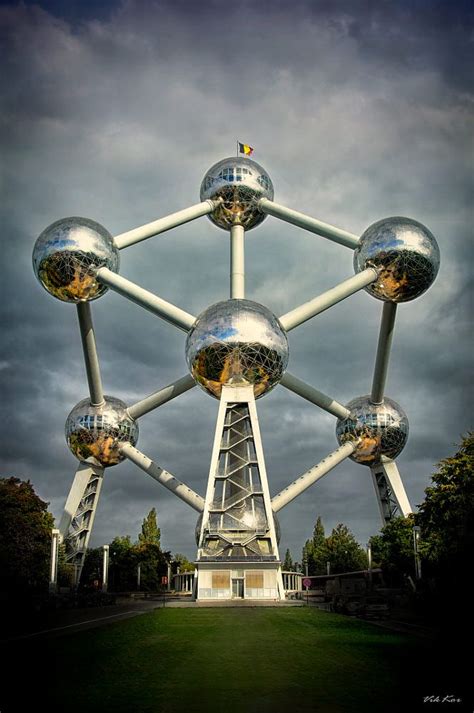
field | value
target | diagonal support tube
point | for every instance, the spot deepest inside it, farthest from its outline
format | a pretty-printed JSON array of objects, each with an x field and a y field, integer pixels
[
  {"x": 312, "y": 475},
  {"x": 237, "y": 262},
  {"x": 161, "y": 397},
  {"x": 383, "y": 352},
  {"x": 310, "y": 309},
  {"x": 124, "y": 240},
  {"x": 292, "y": 383},
  {"x": 90, "y": 353},
  {"x": 167, "y": 311},
  {"x": 349, "y": 240},
  {"x": 163, "y": 477}
]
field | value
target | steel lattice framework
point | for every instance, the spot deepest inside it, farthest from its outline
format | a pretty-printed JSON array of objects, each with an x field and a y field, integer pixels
[{"x": 236, "y": 350}]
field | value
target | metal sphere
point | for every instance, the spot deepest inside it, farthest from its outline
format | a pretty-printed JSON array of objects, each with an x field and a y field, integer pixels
[
  {"x": 407, "y": 255},
  {"x": 237, "y": 342},
  {"x": 94, "y": 433},
  {"x": 251, "y": 522},
  {"x": 66, "y": 254},
  {"x": 383, "y": 429},
  {"x": 240, "y": 183}
]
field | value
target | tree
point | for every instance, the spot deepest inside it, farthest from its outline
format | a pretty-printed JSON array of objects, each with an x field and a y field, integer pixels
[
  {"x": 150, "y": 533},
  {"x": 123, "y": 564},
  {"x": 315, "y": 550},
  {"x": 183, "y": 563},
  {"x": 288, "y": 563},
  {"x": 393, "y": 550},
  {"x": 344, "y": 552},
  {"x": 446, "y": 517},
  {"x": 25, "y": 539}
]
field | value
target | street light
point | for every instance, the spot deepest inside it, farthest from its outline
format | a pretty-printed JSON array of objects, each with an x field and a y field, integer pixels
[{"x": 416, "y": 540}]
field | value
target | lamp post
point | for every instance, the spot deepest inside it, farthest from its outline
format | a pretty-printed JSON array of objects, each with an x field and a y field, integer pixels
[
  {"x": 416, "y": 541},
  {"x": 369, "y": 563}
]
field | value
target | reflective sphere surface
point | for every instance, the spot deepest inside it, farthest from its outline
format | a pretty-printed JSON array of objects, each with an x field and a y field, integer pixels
[
  {"x": 406, "y": 253},
  {"x": 237, "y": 342},
  {"x": 240, "y": 182},
  {"x": 94, "y": 433},
  {"x": 65, "y": 255},
  {"x": 383, "y": 429}
]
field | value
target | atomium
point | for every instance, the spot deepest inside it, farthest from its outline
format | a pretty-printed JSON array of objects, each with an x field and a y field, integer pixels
[
  {"x": 379, "y": 429},
  {"x": 406, "y": 255},
  {"x": 66, "y": 255},
  {"x": 233, "y": 343},
  {"x": 94, "y": 433},
  {"x": 237, "y": 341},
  {"x": 239, "y": 183}
]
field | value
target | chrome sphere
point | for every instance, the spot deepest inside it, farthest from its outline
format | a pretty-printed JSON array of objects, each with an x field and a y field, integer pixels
[
  {"x": 66, "y": 254},
  {"x": 254, "y": 524},
  {"x": 382, "y": 428},
  {"x": 405, "y": 252},
  {"x": 237, "y": 342},
  {"x": 240, "y": 183},
  {"x": 94, "y": 433}
]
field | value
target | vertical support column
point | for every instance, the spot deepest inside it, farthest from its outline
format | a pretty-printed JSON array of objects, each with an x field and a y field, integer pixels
[
  {"x": 53, "y": 568},
  {"x": 105, "y": 568},
  {"x": 79, "y": 513},
  {"x": 391, "y": 495},
  {"x": 237, "y": 262},
  {"x": 90, "y": 353},
  {"x": 383, "y": 352},
  {"x": 168, "y": 573},
  {"x": 139, "y": 577}
]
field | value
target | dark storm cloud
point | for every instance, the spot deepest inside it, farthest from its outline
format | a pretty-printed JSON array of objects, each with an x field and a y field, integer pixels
[{"x": 115, "y": 111}]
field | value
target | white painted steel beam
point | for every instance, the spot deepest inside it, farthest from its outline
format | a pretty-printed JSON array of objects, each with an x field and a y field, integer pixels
[
  {"x": 79, "y": 484},
  {"x": 167, "y": 311},
  {"x": 387, "y": 470},
  {"x": 383, "y": 352},
  {"x": 90, "y": 353},
  {"x": 237, "y": 262},
  {"x": 163, "y": 477},
  {"x": 349, "y": 240},
  {"x": 124, "y": 240},
  {"x": 161, "y": 397},
  {"x": 310, "y": 309},
  {"x": 311, "y": 476},
  {"x": 292, "y": 383}
]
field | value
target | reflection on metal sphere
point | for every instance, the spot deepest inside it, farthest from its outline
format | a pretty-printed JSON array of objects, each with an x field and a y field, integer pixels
[
  {"x": 407, "y": 255},
  {"x": 383, "y": 429},
  {"x": 66, "y": 254},
  {"x": 94, "y": 433},
  {"x": 240, "y": 183},
  {"x": 251, "y": 523},
  {"x": 237, "y": 342}
]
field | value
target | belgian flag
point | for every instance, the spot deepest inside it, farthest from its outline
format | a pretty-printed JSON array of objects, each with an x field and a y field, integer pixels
[{"x": 245, "y": 149}]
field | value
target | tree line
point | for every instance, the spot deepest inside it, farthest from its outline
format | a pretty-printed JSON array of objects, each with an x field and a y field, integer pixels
[{"x": 445, "y": 519}]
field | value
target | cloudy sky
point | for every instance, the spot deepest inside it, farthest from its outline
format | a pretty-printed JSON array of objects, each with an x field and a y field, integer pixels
[{"x": 115, "y": 110}]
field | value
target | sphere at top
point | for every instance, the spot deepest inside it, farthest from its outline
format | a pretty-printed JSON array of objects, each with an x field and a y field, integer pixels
[
  {"x": 240, "y": 183},
  {"x": 237, "y": 342},
  {"x": 382, "y": 428},
  {"x": 405, "y": 252},
  {"x": 94, "y": 433},
  {"x": 66, "y": 254}
]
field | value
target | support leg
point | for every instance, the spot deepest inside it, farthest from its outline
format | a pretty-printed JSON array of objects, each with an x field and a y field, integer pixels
[
  {"x": 391, "y": 495},
  {"x": 79, "y": 513}
]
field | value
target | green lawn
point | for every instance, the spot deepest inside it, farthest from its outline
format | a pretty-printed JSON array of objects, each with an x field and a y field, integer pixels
[{"x": 230, "y": 660}]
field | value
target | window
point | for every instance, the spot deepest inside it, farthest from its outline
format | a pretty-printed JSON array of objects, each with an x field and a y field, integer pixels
[{"x": 254, "y": 580}]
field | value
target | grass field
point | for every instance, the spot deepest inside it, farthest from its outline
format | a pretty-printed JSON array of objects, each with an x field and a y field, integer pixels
[{"x": 224, "y": 660}]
